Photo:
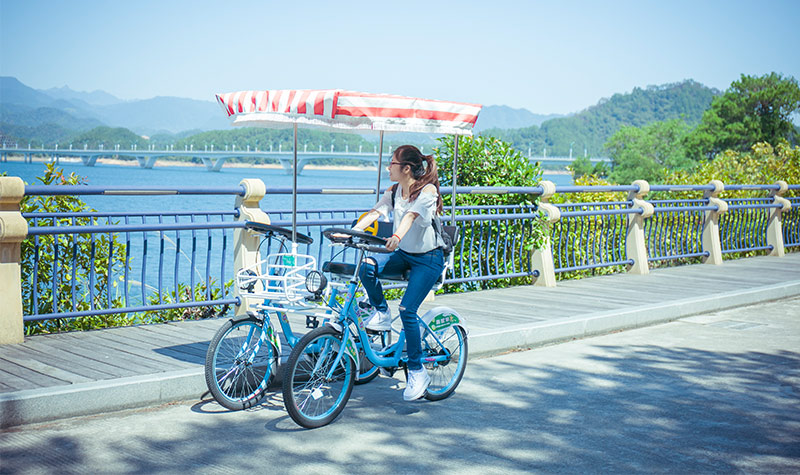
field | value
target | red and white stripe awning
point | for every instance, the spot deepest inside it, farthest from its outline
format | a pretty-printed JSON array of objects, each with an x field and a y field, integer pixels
[{"x": 338, "y": 109}]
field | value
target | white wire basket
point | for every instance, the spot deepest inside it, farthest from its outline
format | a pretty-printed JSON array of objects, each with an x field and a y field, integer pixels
[{"x": 280, "y": 278}]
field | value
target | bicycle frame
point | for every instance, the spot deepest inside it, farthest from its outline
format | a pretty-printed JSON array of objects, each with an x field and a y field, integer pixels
[{"x": 388, "y": 358}]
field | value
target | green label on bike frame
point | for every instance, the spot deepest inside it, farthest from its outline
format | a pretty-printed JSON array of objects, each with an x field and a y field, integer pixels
[
  {"x": 443, "y": 321},
  {"x": 351, "y": 349},
  {"x": 288, "y": 260},
  {"x": 272, "y": 336}
]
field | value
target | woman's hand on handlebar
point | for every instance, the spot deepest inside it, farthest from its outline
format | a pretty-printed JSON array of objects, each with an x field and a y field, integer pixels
[
  {"x": 346, "y": 236},
  {"x": 392, "y": 243}
]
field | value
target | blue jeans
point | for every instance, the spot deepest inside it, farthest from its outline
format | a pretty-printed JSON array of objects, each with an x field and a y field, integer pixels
[{"x": 425, "y": 269}]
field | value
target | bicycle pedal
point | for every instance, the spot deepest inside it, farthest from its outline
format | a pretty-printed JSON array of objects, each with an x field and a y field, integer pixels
[
  {"x": 311, "y": 321},
  {"x": 387, "y": 371}
]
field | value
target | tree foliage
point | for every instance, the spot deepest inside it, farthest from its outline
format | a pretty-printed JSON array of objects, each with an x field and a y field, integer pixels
[
  {"x": 752, "y": 110},
  {"x": 59, "y": 268},
  {"x": 762, "y": 164},
  {"x": 646, "y": 153},
  {"x": 487, "y": 161}
]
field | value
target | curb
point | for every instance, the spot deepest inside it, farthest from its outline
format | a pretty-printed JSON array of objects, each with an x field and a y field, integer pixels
[{"x": 49, "y": 404}]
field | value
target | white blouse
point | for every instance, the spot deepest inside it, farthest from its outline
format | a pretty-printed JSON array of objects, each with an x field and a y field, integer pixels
[{"x": 421, "y": 237}]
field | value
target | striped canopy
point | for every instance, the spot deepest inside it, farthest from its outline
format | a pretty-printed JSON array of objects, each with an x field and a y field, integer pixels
[{"x": 348, "y": 110}]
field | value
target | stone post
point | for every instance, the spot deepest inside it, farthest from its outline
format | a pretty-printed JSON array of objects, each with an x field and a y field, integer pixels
[
  {"x": 774, "y": 227},
  {"x": 245, "y": 243},
  {"x": 711, "y": 242},
  {"x": 542, "y": 259},
  {"x": 635, "y": 244},
  {"x": 13, "y": 229}
]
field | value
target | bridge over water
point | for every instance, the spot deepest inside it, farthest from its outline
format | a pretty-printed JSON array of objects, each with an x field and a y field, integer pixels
[{"x": 214, "y": 160}]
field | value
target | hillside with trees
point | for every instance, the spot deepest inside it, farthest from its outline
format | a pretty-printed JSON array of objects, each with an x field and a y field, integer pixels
[
  {"x": 755, "y": 111},
  {"x": 591, "y": 128}
]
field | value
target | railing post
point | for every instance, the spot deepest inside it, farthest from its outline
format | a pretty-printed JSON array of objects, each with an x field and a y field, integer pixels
[
  {"x": 774, "y": 226},
  {"x": 245, "y": 249},
  {"x": 711, "y": 242},
  {"x": 13, "y": 229},
  {"x": 635, "y": 244},
  {"x": 542, "y": 259}
]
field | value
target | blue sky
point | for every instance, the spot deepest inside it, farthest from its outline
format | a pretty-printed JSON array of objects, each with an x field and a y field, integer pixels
[{"x": 546, "y": 56}]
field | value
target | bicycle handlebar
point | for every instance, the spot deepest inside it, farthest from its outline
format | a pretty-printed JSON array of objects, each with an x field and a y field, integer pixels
[
  {"x": 356, "y": 239},
  {"x": 270, "y": 230}
]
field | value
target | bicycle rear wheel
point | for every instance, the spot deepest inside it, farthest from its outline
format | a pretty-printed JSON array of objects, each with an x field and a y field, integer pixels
[
  {"x": 312, "y": 398},
  {"x": 239, "y": 363},
  {"x": 445, "y": 375}
]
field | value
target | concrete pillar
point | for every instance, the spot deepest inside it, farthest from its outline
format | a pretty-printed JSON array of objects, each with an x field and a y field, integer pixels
[
  {"x": 711, "y": 242},
  {"x": 635, "y": 243},
  {"x": 774, "y": 227},
  {"x": 245, "y": 250},
  {"x": 542, "y": 259},
  {"x": 13, "y": 229}
]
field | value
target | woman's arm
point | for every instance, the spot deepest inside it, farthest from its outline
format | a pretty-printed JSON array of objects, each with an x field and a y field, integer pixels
[
  {"x": 402, "y": 229},
  {"x": 366, "y": 220},
  {"x": 381, "y": 208}
]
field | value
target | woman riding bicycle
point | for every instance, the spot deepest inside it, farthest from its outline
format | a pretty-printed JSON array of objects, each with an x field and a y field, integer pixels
[{"x": 416, "y": 248}]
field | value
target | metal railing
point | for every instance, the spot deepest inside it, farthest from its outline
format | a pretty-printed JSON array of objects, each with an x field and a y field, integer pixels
[
  {"x": 791, "y": 224},
  {"x": 101, "y": 263},
  {"x": 675, "y": 229},
  {"x": 125, "y": 263}
]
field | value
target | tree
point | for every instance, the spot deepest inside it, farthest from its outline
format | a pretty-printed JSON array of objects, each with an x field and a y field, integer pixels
[
  {"x": 644, "y": 153},
  {"x": 583, "y": 166},
  {"x": 487, "y": 161},
  {"x": 752, "y": 110}
]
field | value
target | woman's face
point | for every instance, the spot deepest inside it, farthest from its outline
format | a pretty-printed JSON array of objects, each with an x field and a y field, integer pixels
[{"x": 397, "y": 171}]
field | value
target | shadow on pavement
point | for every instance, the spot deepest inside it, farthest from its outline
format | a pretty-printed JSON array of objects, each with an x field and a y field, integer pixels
[{"x": 625, "y": 409}]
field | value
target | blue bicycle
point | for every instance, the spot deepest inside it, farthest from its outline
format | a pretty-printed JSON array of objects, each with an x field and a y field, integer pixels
[
  {"x": 243, "y": 355},
  {"x": 323, "y": 366}
]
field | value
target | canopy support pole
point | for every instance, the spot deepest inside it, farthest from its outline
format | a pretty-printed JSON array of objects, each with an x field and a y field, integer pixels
[
  {"x": 294, "y": 193},
  {"x": 380, "y": 165},
  {"x": 455, "y": 179}
]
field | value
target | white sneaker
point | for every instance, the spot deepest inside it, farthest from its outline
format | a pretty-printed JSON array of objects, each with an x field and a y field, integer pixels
[
  {"x": 380, "y": 321},
  {"x": 417, "y": 384}
]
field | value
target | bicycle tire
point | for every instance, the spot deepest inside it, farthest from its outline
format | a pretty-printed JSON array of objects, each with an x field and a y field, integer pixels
[
  {"x": 311, "y": 400},
  {"x": 239, "y": 363},
  {"x": 446, "y": 376}
]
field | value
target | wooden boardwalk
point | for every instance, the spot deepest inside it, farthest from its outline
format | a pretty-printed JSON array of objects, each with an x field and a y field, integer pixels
[{"x": 498, "y": 320}]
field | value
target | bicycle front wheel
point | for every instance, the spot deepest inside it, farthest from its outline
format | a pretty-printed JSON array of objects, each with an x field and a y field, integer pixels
[
  {"x": 239, "y": 363},
  {"x": 315, "y": 386},
  {"x": 445, "y": 373}
]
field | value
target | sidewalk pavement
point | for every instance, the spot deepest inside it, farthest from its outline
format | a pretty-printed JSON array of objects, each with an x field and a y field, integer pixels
[{"x": 52, "y": 377}]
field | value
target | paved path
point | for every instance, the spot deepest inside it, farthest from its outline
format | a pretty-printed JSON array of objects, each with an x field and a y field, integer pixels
[
  {"x": 54, "y": 376},
  {"x": 713, "y": 393}
]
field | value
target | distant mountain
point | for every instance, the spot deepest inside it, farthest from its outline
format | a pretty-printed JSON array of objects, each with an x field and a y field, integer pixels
[
  {"x": 95, "y": 98},
  {"x": 14, "y": 92},
  {"x": 591, "y": 128},
  {"x": 25, "y": 114},
  {"x": 504, "y": 117},
  {"x": 171, "y": 114}
]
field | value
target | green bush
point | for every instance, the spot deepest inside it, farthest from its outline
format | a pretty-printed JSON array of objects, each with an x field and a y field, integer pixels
[{"x": 487, "y": 161}]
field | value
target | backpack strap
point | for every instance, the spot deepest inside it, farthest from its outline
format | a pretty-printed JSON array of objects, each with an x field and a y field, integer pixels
[{"x": 394, "y": 190}]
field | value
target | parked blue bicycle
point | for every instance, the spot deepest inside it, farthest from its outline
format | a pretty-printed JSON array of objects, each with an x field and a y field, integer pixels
[
  {"x": 243, "y": 355},
  {"x": 323, "y": 366}
]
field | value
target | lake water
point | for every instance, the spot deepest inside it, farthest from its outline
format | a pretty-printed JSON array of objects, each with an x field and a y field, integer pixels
[
  {"x": 113, "y": 175},
  {"x": 161, "y": 260}
]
